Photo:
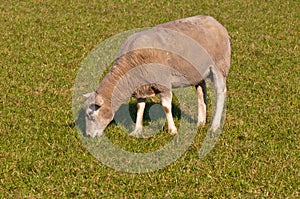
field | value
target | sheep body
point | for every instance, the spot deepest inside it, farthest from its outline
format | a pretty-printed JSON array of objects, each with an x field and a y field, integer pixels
[{"x": 182, "y": 53}]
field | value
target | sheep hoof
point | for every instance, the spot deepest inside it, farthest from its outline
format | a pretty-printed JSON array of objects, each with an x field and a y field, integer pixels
[
  {"x": 201, "y": 123},
  {"x": 214, "y": 128},
  {"x": 136, "y": 133},
  {"x": 172, "y": 131}
]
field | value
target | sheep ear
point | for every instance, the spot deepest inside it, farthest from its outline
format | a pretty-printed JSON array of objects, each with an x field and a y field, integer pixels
[{"x": 87, "y": 95}]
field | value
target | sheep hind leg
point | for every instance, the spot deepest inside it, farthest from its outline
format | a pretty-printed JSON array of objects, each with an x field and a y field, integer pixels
[
  {"x": 219, "y": 82},
  {"x": 141, "y": 103},
  {"x": 201, "y": 93},
  {"x": 166, "y": 101}
]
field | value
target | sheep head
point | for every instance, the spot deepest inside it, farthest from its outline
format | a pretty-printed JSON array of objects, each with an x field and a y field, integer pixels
[{"x": 98, "y": 114}]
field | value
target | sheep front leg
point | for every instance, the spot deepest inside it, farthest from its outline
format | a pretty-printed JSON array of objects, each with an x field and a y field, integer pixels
[
  {"x": 201, "y": 93},
  {"x": 141, "y": 103},
  {"x": 166, "y": 101}
]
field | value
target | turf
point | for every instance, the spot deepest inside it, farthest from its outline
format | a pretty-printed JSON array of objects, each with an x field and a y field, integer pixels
[{"x": 42, "y": 45}]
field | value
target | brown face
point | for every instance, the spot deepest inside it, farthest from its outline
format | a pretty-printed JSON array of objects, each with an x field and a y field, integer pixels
[{"x": 98, "y": 115}]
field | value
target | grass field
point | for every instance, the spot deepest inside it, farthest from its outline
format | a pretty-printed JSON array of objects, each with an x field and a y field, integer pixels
[{"x": 42, "y": 44}]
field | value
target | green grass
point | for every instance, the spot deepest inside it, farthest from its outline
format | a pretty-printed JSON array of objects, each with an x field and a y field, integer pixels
[{"x": 42, "y": 44}]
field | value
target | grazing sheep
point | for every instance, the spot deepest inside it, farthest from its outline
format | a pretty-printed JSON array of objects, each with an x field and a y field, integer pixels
[{"x": 172, "y": 55}]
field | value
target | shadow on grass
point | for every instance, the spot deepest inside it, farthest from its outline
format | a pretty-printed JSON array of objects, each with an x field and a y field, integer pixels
[{"x": 80, "y": 123}]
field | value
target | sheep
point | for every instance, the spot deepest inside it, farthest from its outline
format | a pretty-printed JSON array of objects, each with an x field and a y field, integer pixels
[{"x": 176, "y": 54}]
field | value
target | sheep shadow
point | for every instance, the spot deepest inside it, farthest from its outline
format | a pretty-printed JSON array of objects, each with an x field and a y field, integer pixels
[{"x": 129, "y": 120}]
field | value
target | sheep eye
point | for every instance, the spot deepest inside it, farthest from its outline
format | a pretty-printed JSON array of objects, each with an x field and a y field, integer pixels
[{"x": 94, "y": 107}]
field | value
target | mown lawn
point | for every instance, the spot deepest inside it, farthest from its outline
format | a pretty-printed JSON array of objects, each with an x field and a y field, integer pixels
[{"x": 42, "y": 45}]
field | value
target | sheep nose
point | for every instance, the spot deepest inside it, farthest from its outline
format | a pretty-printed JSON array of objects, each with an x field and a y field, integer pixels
[
  {"x": 94, "y": 133},
  {"x": 88, "y": 133},
  {"x": 98, "y": 133}
]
